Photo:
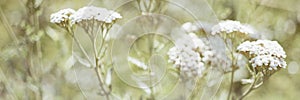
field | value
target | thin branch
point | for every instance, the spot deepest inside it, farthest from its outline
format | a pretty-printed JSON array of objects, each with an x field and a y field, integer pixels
[
  {"x": 84, "y": 95},
  {"x": 231, "y": 85},
  {"x": 258, "y": 85},
  {"x": 97, "y": 64},
  {"x": 9, "y": 89},
  {"x": 252, "y": 86},
  {"x": 196, "y": 89},
  {"x": 232, "y": 70},
  {"x": 249, "y": 89},
  {"x": 101, "y": 83},
  {"x": 8, "y": 27},
  {"x": 81, "y": 48},
  {"x": 103, "y": 40}
]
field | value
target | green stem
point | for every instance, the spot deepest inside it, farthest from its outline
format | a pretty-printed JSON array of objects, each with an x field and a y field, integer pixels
[
  {"x": 196, "y": 89},
  {"x": 98, "y": 66},
  {"x": 232, "y": 69},
  {"x": 103, "y": 40},
  {"x": 80, "y": 46},
  {"x": 231, "y": 84},
  {"x": 249, "y": 89},
  {"x": 84, "y": 95},
  {"x": 7, "y": 85},
  {"x": 101, "y": 83}
]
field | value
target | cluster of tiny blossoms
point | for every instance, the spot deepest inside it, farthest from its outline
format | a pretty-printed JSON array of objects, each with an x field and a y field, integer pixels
[
  {"x": 233, "y": 33},
  {"x": 85, "y": 17},
  {"x": 264, "y": 54},
  {"x": 186, "y": 58},
  {"x": 192, "y": 54},
  {"x": 229, "y": 26},
  {"x": 62, "y": 17},
  {"x": 94, "y": 13}
]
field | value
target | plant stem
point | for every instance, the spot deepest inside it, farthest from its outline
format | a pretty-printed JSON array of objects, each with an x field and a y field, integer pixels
[
  {"x": 84, "y": 95},
  {"x": 7, "y": 86},
  {"x": 101, "y": 83},
  {"x": 231, "y": 84},
  {"x": 98, "y": 66},
  {"x": 196, "y": 89},
  {"x": 249, "y": 89},
  {"x": 232, "y": 70},
  {"x": 81, "y": 48}
]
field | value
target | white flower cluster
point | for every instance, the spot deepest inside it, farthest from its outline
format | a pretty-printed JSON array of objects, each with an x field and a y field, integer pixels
[
  {"x": 190, "y": 55},
  {"x": 184, "y": 57},
  {"x": 229, "y": 26},
  {"x": 62, "y": 16},
  {"x": 94, "y": 13},
  {"x": 264, "y": 53},
  {"x": 203, "y": 47}
]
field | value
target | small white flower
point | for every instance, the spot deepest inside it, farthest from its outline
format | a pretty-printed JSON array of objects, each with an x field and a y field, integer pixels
[
  {"x": 192, "y": 54},
  {"x": 95, "y": 13},
  {"x": 62, "y": 16},
  {"x": 229, "y": 26},
  {"x": 267, "y": 60},
  {"x": 264, "y": 53},
  {"x": 185, "y": 57},
  {"x": 262, "y": 47}
]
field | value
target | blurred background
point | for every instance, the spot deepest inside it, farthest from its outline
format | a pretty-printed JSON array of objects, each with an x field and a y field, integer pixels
[{"x": 36, "y": 56}]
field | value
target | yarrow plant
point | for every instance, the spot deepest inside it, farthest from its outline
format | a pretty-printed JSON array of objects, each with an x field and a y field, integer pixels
[
  {"x": 62, "y": 17},
  {"x": 142, "y": 51},
  {"x": 229, "y": 26},
  {"x": 233, "y": 32},
  {"x": 93, "y": 19},
  {"x": 187, "y": 57},
  {"x": 192, "y": 56},
  {"x": 265, "y": 58},
  {"x": 96, "y": 22},
  {"x": 91, "y": 13},
  {"x": 265, "y": 55}
]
